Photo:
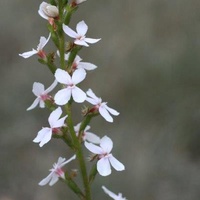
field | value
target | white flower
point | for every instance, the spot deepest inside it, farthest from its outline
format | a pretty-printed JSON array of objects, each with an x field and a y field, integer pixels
[
  {"x": 102, "y": 107},
  {"x": 48, "y": 11},
  {"x": 80, "y": 38},
  {"x": 39, "y": 51},
  {"x": 41, "y": 94},
  {"x": 105, "y": 157},
  {"x": 45, "y": 134},
  {"x": 63, "y": 96},
  {"x": 90, "y": 137},
  {"x": 113, "y": 195},
  {"x": 56, "y": 172}
]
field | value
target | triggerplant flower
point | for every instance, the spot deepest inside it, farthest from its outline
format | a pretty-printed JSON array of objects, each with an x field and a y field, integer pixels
[
  {"x": 45, "y": 134},
  {"x": 80, "y": 38},
  {"x": 105, "y": 157},
  {"x": 63, "y": 96},
  {"x": 48, "y": 11},
  {"x": 56, "y": 172},
  {"x": 87, "y": 136},
  {"x": 39, "y": 51},
  {"x": 41, "y": 94},
  {"x": 102, "y": 107},
  {"x": 113, "y": 195}
]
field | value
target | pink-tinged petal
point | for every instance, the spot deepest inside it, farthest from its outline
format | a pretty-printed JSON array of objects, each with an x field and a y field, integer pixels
[
  {"x": 111, "y": 110},
  {"x": 78, "y": 95},
  {"x": 42, "y": 104},
  {"x": 69, "y": 31},
  {"x": 91, "y": 94},
  {"x": 103, "y": 167},
  {"x": 111, "y": 194},
  {"x": 62, "y": 96},
  {"x": 81, "y": 43},
  {"x": 28, "y": 53},
  {"x": 54, "y": 179},
  {"x": 62, "y": 76},
  {"x": 116, "y": 164},
  {"x": 38, "y": 89},
  {"x": 46, "y": 180},
  {"x": 91, "y": 40},
  {"x": 92, "y": 101},
  {"x": 91, "y": 137},
  {"x": 106, "y": 144},
  {"x": 34, "y": 104},
  {"x": 81, "y": 28},
  {"x": 78, "y": 76},
  {"x": 69, "y": 160},
  {"x": 87, "y": 66},
  {"x": 60, "y": 122},
  {"x": 93, "y": 148},
  {"x": 43, "y": 42},
  {"x": 43, "y": 136},
  {"x": 105, "y": 114},
  {"x": 54, "y": 116},
  {"x": 51, "y": 87}
]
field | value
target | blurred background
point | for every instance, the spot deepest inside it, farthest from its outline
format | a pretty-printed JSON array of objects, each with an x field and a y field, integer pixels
[{"x": 148, "y": 69}]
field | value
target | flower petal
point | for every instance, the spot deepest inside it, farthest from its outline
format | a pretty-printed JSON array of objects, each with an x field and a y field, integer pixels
[
  {"x": 111, "y": 194},
  {"x": 60, "y": 122},
  {"x": 69, "y": 31},
  {"x": 43, "y": 42},
  {"x": 46, "y": 180},
  {"x": 105, "y": 114},
  {"x": 106, "y": 144},
  {"x": 81, "y": 43},
  {"x": 93, "y": 148},
  {"x": 67, "y": 161},
  {"x": 78, "y": 95},
  {"x": 62, "y": 76},
  {"x": 51, "y": 87},
  {"x": 91, "y": 40},
  {"x": 54, "y": 116},
  {"x": 81, "y": 28},
  {"x": 78, "y": 76},
  {"x": 41, "y": 8},
  {"x": 87, "y": 66},
  {"x": 91, "y": 94},
  {"x": 103, "y": 167},
  {"x": 28, "y": 53},
  {"x": 111, "y": 110},
  {"x": 43, "y": 136},
  {"x": 38, "y": 89},
  {"x": 42, "y": 104},
  {"x": 34, "y": 104},
  {"x": 54, "y": 179},
  {"x": 62, "y": 96},
  {"x": 91, "y": 137},
  {"x": 116, "y": 164}
]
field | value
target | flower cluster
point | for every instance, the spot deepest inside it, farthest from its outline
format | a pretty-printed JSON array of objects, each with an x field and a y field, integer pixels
[{"x": 71, "y": 72}]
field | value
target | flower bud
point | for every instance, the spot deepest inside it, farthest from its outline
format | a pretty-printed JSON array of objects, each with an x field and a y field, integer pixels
[{"x": 48, "y": 11}]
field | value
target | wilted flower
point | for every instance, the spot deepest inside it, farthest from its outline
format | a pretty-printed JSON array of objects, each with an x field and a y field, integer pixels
[
  {"x": 79, "y": 36},
  {"x": 102, "y": 107},
  {"x": 113, "y": 195},
  {"x": 63, "y": 96},
  {"x": 39, "y": 51},
  {"x": 45, "y": 134},
  {"x": 56, "y": 172},
  {"x": 41, "y": 94},
  {"x": 105, "y": 157}
]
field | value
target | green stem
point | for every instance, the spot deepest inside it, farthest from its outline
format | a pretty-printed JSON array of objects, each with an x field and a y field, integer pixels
[{"x": 79, "y": 153}]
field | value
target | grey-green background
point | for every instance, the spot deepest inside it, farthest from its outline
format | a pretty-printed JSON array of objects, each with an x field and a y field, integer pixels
[{"x": 148, "y": 69}]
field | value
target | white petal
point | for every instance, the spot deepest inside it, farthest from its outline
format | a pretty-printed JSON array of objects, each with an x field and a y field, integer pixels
[
  {"x": 92, "y": 101},
  {"x": 87, "y": 66},
  {"x": 91, "y": 94},
  {"x": 111, "y": 110},
  {"x": 91, "y": 137},
  {"x": 62, "y": 76},
  {"x": 40, "y": 11},
  {"x": 81, "y": 28},
  {"x": 105, "y": 114},
  {"x": 91, "y": 40},
  {"x": 60, "y": 122},
  {"x": 81, "y": 43},
  {"x": 28, "y": 53},
  {"x": 43, "y": 42},
  {"x": 51, "y": 87},
  {"x": 111, "y": 194},
  {"x": 54, "y": 179},
  {"x": 46, "y": 180},
  {"x": 103, "y": 167},
  {"x": 78, "y": 76},
  {"x": 69, "y": 160},
  {"x": 34, "y": 104},
  {"x": 116, "y": 164},
  {"x": 42, "y": 104},
  {"x": 62, "y": 96},
  {"x": 106, "y": 144},
  {"x": 54, "y": 116},
  {"x": 38, "y": 89},
  {"x": 43, "y": 136},
  {"x": 93, "y": 148},
  {"x": 69, "y": 31},
  {"x": 78, "y": 95},
  {"x": 67, "y": 56}
]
